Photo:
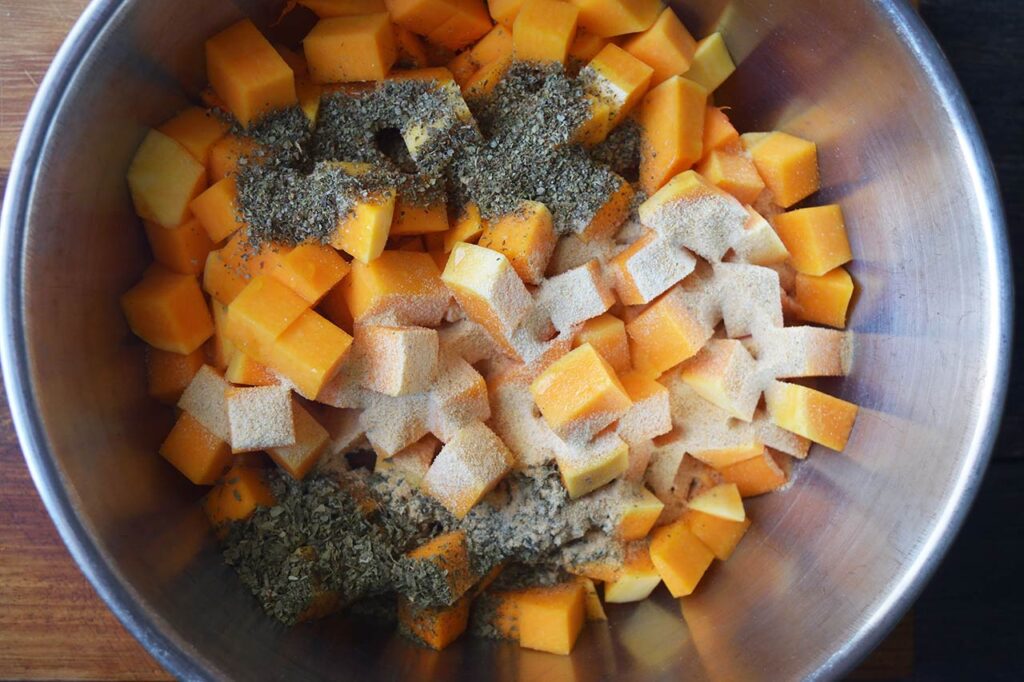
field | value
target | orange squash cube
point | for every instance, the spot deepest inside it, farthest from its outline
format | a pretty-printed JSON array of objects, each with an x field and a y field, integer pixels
[
  {"x": 489, "y": 290},
  {"x": 197, "y": 130},
  {"x": 221, "y": 350},
  {"x": 639, "y": 514},
  {"x": 551, "y": 618},
  {"x": 672, "y": 125},
  {"x": 225, "y": 154},
  {"x": 343, "y": 8},
  {"x": 609, "y": 18},
  {"x": 719, "y": 535},
  {"x": 722, "y": 500},
  {"x": 618, "y": 78},
  {"x": 363, "y": 231},
  {"x": 635, "y": 579},
  {"x": 310, "y": 441},
  {"x": 580, "y": 394},
  {"x": 711, "y": 63},
  {"x": 586, "y": 466},
  {"x": 667, "y": 47},
  {"x": 526, "y": 237},
  {"x": 719, "y": 132},
  {"x": 351, "y": 48},
  {"x": 607, "y": 334},
  {"x": 486, "y": 78},
  {"x": 824, "y": 299},
  {"x": 260, "y": 417},
  {"x": 680, "y": 557},
  {"x": 468, "y": 228},
  {"x": 812, "y": 414},
  {"x": 412, "y": 219},
  {"x": 468, "y": 467},
  {"x": 759, "y": 244},
  {"x": 788, "y": 165},
  {"x": 236, "y": 497},
  {"x": 733, "y": 173},
  {"x": 168, "y": 374},
  {"x": 310, "y": 270},
  {"x": 398, "y": 360},
  {"x": 435, "y": 627},
  {"x": 724, "y": 374},
  {"x": 467, "y": 22},
  {"x": 651, "y": 415},
  {"x": 309, "y": 352},
  {"x": 163, "y": 178},
  {"x": 247, "y": 73},
  {"x": 261, "y": 313},
  {"x": 182, "y": 249},
  {"x": 757, "y": 475},
  {"x": 609, "y": 217},
  {"x": 195, "y": 452},
  {"x": 419, "y": 16},
  {"x": 815, "y": 238},
  {"x": 586, "y": 45},
  {"x": 543, "y": 31},
  {"x": 448, "y": 554},
  {"x": 168, "y": 311},
  {"x": 665, "y": 334},
  {"x": 504, "y": 12},
  {"x": 217, "y": 210},
  {"x": 648, "y": 268},
  {"x": 242, "y": 369},
  {"x": 721, "y": 456},
  {"x": 220, "y": 280},
  {"x": 399, "y": 287}
]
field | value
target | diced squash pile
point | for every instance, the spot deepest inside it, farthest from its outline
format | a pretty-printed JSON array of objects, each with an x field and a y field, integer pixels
[{"x": 653, "y": 372}]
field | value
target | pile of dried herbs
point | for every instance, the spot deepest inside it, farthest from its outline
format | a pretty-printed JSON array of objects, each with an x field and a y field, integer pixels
[{"x": 510, "y": 147}]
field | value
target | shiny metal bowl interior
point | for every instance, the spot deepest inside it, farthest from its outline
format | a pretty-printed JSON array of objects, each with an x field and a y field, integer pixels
[{"x": 827, "y": 567}]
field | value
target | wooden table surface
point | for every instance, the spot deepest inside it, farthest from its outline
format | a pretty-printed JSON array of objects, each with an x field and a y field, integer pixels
[{"x": 54, "y": 626}]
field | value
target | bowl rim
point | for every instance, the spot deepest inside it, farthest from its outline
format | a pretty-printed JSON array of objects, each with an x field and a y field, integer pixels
[{"x": 184, "y": 661}]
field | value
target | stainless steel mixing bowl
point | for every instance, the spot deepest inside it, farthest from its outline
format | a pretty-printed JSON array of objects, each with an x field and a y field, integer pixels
[{"x": 827, "y": 567}]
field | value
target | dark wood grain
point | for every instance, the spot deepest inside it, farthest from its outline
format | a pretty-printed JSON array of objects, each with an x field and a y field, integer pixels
[{"x": 967, "y": 623}]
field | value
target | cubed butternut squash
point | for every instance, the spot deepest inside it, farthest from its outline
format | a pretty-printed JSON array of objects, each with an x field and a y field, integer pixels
[
  {"x": 607, "y": 334},
  {"x": 351, "y": 48},
  {"x": 217, "y": 210},
  {"x": 504, "y": 11},
  {"x": 733, "y": 173},
  {"x": 311, "y": 438},
  {"x": 680, "y": 557},
  {"x": 399, "y": 287},
  {"x": 163, "y": 178},
  {"x": 665, "y": 334},
  {"x": 182, "y": 249},
  {"x": 667, "y": 47},
  {"x": 672, "y": 124},
  {"x": 812, "y": 414},
  {"x": 719, "y": 132},
  {"x": 225, "y": 155},
  {"x": 467, "y": 228},
  {"x": 242, "y": 369},
  {"x": 310, "y": 270},
  {"x": 412, "y": 219},
  {"x": 260, "y": 313},
  {"x": 815, "y": 238},
  {"x": 635, "y": 579},
  {"x": 610, "y": 18},
  {"x": 757, "y": 475},
  {"x": 617, "y": 78},
  {"x": 167, "y": 310},
  {"x": 711, "y": 63},
  {"x": 247, "y": 72},
  {"x": 526, "y": 237},
  {"x": 551, "y": 618},
  {"x": 195, "y": 452},
  {"x": 197, "y": 130},
  {"x": 309, "y": 352},
  {"x": 236, "y": 497},
  {"x": 787, "y": 164},
  {"x": 435, "y": 627},
  {"x": 580, "y": 394},
  {"x": 720, "y": 535},
  {"x": 448, "y": 554},
  {"x": 168, "y": 374},
  {"x": 543, "y": 31},
  {"x": 824, "y": 299}
]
